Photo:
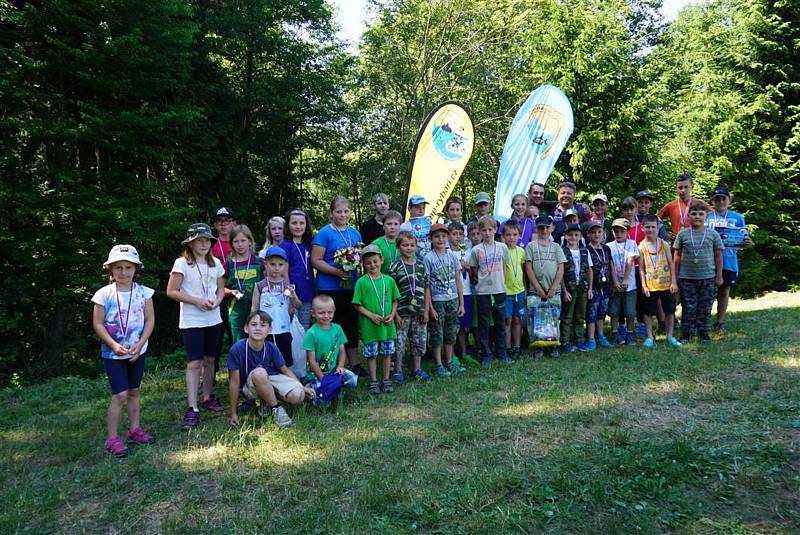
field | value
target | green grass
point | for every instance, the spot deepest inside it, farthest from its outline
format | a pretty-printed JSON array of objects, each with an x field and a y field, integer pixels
[{"x": 701, "y": 440}]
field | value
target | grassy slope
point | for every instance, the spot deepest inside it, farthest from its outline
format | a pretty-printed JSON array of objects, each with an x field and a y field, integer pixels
[{"x": 702, "y": 440}]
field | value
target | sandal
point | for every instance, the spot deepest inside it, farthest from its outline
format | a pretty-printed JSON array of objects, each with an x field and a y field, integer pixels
[
  {"x": 116, "y": 447},
  {"x": 375, "y": 388}
]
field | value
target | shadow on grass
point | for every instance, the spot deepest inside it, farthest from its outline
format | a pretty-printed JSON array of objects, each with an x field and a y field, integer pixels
[{"x": 613, "y": 441}]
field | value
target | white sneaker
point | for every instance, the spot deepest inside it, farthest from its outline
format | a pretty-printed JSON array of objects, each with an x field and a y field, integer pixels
[{"x": 280, "y": 417}]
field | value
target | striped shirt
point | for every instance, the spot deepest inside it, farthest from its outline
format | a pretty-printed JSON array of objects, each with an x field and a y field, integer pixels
[{"x": 697, "y": 249}]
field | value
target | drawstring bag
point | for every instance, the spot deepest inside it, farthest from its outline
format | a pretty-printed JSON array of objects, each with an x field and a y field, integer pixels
[{"x": 543, "y": 320}]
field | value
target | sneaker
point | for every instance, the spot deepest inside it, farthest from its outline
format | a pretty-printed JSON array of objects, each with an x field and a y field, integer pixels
[
  {"x": 386, "y": 386},
  {"x": 486, "y": 361},
  {"x": 603, "y": 342},
  {"x": 212, "y": 404},
  {"x": 246, "y": 406},
  {"x": 139, "y": 436},
  {"x": 456, "y": 367},
  {"x": 591, "y": 345},
  {"x": 618, "y": 338},
  {"x": 280, "y": 417},
  {"x": 641, "y": 332},
  {"x": 374, "y": 388},
  {"x": 469, "y": 361},
  {"x": 630, "y": 340},
  {"x": 580, "y": 346},
  {"x": 398, "y": 378},
  {"x": 673, "y": 342},
  {"x": 116, "y": 447},
  {"x": 555, "y": 353},
  {"x": 648, "y": 342},
  {"x": 569, "y": 348},
  {"x": 420, "y": 375},
  {"x": 441, "y": 371},
  {"x": 359, "y": 370},
  {"x": 455, "y": 362},
  {"x": 720, "y": 328},
  {"x": 505, "y": 357},
  {"x": 538, "y": 353},
  {"x": 191, "y": 419}
]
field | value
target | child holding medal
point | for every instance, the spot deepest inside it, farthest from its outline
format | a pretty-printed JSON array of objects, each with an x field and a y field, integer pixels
[
  {"x": 244, "y": 272},
  {"x": 123, "y": 318},
  {"x": 657, "y": 275},
  {"x": 197, "y": 282},
  {"x": 446, "y": 300},
  {"x": 277, "y": 298},
  {"x": 375, "y": 299},
  {"x": 698, "y": 262},
  {"x": 412, "y": 282}
]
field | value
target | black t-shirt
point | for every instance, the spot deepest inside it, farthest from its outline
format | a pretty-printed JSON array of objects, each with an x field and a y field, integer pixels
[{"x": 370, "y": 230}]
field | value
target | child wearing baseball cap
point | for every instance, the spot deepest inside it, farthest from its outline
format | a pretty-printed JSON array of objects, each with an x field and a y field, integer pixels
[{"x": 123, "y": 318}]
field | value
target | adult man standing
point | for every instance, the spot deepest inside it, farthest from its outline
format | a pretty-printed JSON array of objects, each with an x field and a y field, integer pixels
[
  {"x": 372, "y": 228},
  {"x": 566, "y": 201},
  {"x": 536, "y": 198}
]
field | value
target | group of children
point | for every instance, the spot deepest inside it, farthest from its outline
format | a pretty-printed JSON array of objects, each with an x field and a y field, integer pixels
[{"x": 423, "y": 291}]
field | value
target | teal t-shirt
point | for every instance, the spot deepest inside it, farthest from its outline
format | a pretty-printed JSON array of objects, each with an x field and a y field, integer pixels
[
  {"x": 325, "y": 344},
  {"x": 376, "y": 296}
]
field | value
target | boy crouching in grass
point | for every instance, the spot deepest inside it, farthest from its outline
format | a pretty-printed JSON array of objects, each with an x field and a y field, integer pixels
[
  {"x": 266, "y": 377},
  {"x": 324, "y": 344}
]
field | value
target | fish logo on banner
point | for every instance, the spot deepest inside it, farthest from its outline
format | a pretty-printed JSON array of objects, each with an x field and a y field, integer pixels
[
  {"x": 537, "y": 136},
  {"x": 441, "y": 151}
]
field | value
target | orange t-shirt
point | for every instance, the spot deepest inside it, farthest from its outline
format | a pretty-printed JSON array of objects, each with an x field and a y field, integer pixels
[{"x": 677, "y": 212}]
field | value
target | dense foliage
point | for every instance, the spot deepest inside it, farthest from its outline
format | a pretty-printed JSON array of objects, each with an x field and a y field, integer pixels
[{"x": 123, "y": 121}]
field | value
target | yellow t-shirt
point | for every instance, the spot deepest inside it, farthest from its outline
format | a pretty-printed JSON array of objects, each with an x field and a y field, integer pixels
[
  {"x": 656, "y": 265},
  {"x": 514, "y": 271}
]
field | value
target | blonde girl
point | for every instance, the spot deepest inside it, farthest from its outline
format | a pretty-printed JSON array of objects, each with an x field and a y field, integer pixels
[
  {"x": 275, "y": 229},
  {"x": 244, "y": 272},
  {"x": 197, "y": 282},
  {"x": 123, "y": 318}
]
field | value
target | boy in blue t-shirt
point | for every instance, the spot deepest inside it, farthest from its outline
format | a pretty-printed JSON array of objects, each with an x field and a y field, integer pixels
[
  {"x": 257, "y": 369},
  {"x": 721, "y": 219}
]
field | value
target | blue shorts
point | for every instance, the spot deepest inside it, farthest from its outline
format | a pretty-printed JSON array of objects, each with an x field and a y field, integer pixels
[
  {"x": 515, "y": 305},
  {"x": 202, "y": 342},
  {"x": 466, "y": 320},
  {"x": 124, "y": 374},
  {"x": 373, "y": 349},
  {"x": 597, "y": 307}
]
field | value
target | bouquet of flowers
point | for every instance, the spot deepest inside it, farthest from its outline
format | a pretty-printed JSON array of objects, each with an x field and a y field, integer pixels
[{"x": 348, "y": 259}]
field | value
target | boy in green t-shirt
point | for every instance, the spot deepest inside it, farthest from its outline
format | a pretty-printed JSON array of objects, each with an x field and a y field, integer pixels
[
  {"x": 324, "y": 345},
  {"x": 388, "y": 242},
  {"x": 375, "y": 299}
]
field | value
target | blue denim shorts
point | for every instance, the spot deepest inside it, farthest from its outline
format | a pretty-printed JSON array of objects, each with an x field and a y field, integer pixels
[
  {"x": 515, "y": 306},
  {"x": 373, "y": 349},
  {"x": 597, "y": 307}
]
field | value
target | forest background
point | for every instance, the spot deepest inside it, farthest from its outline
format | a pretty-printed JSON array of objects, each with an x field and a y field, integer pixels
[{"x": 124, "y": 121}]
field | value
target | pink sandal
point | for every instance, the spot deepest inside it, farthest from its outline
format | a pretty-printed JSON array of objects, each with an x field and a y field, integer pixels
[
  {"x": 116, "y": 447},
  {"x": 139, "y": 436}
]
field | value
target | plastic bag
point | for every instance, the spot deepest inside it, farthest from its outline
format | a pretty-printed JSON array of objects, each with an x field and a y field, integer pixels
[
  {"x": 298, "y": 353},
  {"x": 544, "y": 318}
]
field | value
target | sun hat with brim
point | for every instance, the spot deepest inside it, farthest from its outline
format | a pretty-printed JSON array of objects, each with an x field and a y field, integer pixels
[
  {"x": 274, "y": 250},
  {"x": 621, "y": 223},
  {"x": 371, "y": 249},
  {"x": 480, "y": 197},
  {"x": 119, "y": 253},
  {"x": 198, "y": 230}
]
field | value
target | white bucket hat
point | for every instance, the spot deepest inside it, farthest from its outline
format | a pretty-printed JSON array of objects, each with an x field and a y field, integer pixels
[{"x": 123, "y": 252}]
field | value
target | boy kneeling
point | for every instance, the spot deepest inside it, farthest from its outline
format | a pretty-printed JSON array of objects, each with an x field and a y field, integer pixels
[{"x": 265, "y": 372}]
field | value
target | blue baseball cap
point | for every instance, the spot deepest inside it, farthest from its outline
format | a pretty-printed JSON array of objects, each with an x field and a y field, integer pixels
[
  {"x": 275, "y": 251},
  {"x": 417, "y": 199}
]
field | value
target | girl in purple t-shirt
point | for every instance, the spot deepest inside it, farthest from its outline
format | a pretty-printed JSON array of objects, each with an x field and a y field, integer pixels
[{"x": 297, "y": 244}]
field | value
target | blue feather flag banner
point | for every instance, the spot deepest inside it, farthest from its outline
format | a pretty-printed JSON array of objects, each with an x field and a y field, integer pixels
[{"x": 537, "y": 136}]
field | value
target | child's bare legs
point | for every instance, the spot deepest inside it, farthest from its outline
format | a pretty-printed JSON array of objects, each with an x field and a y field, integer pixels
[
  {"x": 437, "y": 354},
  {"x": 193, "y": 381},
  {"x": 352, "y": 356},
  {"x": 398, "y": 363},
  {"x": 509, "y": 322},
  {"x": 115, "y": 413},
  {"x": 448, "y": 353},
  {"x": 417, "y": 360},
  {"x": 599, "y": 326},
  {"x": 516, "y": 332},
  {"x": 590, "y": 326},
  {"x": 387, "y": 360},
  {"x": 723, "y": 297},
  {"x": 648, "y": 326},
  {"x": 372, "y": 366},
  {"x": 461, "y": 342},
  {"x": 264, "y": 388},
  {"x": 134, "y": 408},
  {"x": 208, "y": 377},
  {"x": 669, "y": 324}
]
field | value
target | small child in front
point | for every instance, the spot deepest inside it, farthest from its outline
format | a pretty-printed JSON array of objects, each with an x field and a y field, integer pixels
[
  {"x": 375, "y": 299},
  {"x": 123, "y": 318},
  {"x": 487, "y": 272},
  {"x": 412, "y": 283},
  {"x": 622, "y": 304},
  {"x": 698, "y": 262},
  {"x": 324, "y": 345},
  {"x": 657, "y": 275},
  {"x": 576, "y": 291},
  {"x": 446, "y": 300},
  {"x": 257, "y": 369},
  {"x": 515, "y": 285},
  {"x": 544, "y": 267}
]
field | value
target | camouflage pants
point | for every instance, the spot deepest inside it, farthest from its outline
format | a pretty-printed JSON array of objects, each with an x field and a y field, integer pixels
[
  {"x": 697, "y": 298},
  {"x": 413, "y": 333}
]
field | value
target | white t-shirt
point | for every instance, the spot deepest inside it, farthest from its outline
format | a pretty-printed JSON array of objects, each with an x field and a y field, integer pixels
[
  {"x": 199, "y": 280},
  {"x": 576, "y": 261},
  {"x": 619, "y": 257},
  {"x": 123, "y": 316}
]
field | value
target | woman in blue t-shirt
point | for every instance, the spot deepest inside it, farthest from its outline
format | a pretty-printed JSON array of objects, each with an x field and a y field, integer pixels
[{"x": 332, "y": 280}]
